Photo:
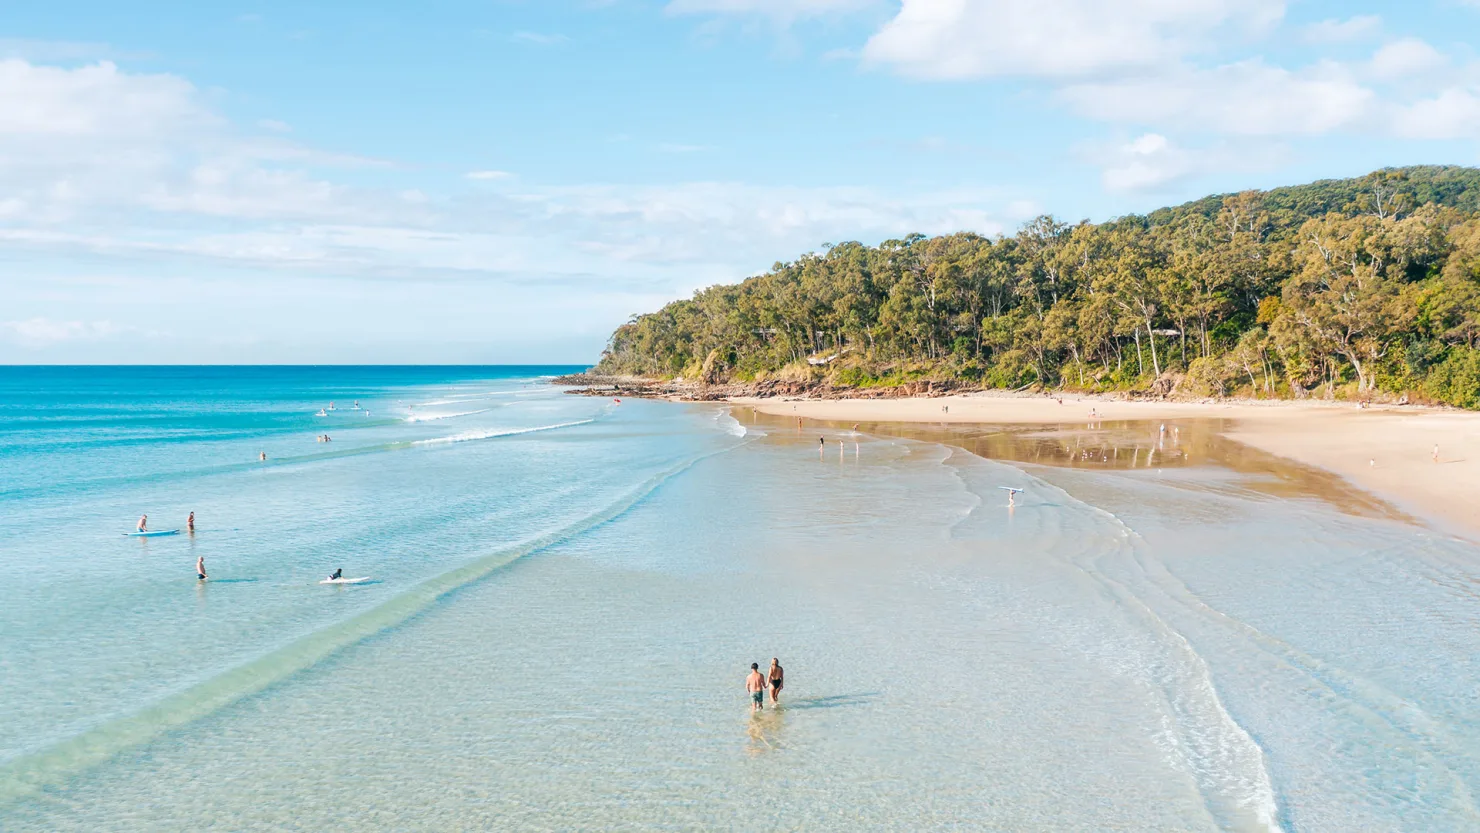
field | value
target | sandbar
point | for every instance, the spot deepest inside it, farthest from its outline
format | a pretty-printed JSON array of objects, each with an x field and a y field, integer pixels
[{"x": 1385, "y": 450}]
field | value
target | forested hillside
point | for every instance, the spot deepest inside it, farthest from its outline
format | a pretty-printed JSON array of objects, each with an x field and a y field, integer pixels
[{"x": 1344, "y": 288}]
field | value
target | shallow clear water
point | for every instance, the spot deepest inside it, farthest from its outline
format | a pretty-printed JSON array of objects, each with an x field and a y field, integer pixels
[{"x": 561, "y": 622}]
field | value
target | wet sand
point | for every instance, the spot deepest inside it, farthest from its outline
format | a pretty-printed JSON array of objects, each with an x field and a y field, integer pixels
[{"x": 1387, "y": 452}]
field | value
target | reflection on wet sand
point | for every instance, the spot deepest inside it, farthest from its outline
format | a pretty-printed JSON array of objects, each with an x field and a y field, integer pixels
[{"x": 1129, "y": 445}]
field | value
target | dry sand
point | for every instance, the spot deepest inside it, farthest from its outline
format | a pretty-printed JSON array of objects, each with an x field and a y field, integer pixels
[{"x": 1387, "y": 451}]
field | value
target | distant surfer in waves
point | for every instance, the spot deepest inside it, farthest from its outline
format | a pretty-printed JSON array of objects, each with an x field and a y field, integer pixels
[
  {"x": 337, "y": 574},
  {"x": 262, "y": 456},
  {"x": 200, "y": 568},
  {"x": 143, "y": 524}
]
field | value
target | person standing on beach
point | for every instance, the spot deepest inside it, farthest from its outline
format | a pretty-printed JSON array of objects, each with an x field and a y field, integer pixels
[
  {"x": 775, "y": 678},
  {"x": 200, "y": 568},
  {"x": 1436, "y": 452},
  {"x": 756, "y": 685},
  {"x": 190, "y": 523}
]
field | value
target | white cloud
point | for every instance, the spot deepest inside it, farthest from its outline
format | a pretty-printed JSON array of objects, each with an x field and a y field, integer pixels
[
  {"x": 1452, "y": 114},
  {"x": 275, "y": 126},
  {"x": 1055, "y": 38},
  {"x": 94, "y": 100},
  {"x": 44, "y": 332},
  {"x": 1406, "y": 57},
  {"x": 1249, "y": 98},
  {"x": 1334, "y": 30},
  {"x": 193, "y": 190},
  {"x": 1153, "y": 163}
]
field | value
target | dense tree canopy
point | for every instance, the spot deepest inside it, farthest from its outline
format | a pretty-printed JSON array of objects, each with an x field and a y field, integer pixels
[{"x": 1338, "y": 288}]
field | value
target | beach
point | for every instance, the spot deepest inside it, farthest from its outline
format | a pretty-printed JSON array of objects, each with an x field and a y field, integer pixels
[
  {"x": 1387, "y": 450},
  {"x": 1162, "y": 630}
]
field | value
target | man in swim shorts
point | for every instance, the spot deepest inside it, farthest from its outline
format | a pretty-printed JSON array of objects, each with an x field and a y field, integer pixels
[
  {"x": 200, "y": 568},
  {"x": 143, "y": 525},
  {"x": 756, "y": 685}
]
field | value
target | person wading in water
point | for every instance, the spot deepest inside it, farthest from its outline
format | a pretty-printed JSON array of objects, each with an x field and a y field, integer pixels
[{"x": 756, "y": 685}]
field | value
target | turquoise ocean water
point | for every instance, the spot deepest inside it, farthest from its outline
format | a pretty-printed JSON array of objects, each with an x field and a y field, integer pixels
[{"x": 565, "y": 593}]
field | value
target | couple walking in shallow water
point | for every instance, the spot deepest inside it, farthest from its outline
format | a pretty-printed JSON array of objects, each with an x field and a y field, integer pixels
[{"x": 757, "y": 684}]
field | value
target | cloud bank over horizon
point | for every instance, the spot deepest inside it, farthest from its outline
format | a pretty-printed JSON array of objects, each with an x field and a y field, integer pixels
[{"x": 156, "y": 208}]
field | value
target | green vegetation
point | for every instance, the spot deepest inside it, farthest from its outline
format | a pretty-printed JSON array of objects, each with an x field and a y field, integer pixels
[{"x": 1340, "y": 288}]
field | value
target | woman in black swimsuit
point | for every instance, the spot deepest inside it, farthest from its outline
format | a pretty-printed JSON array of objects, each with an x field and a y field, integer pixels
[{"x": 775, "y": 678}]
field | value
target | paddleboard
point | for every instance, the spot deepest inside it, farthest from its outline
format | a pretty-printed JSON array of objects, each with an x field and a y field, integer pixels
[
  {"x": 1009, "y": 489},
  {"x": 151, "y": 534},
  {"x": 345, "y": 580}
]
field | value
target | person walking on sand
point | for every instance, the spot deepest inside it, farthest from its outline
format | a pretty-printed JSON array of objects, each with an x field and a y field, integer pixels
[
  {"x": 756, "y": 685},
  {"x": 190, "y": 523},
  {"x": 200, "y": 568},
  {"x": 1436, "y": 452},
  {"x": 775, "y": 678}
]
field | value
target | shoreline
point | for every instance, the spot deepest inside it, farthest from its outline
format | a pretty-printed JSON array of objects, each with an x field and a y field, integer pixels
[{"x": 1386, "y": 451}]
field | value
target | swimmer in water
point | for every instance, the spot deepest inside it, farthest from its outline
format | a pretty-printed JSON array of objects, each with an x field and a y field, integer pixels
[
  {"x": 262, "y": 457},
  {"x": 190, "y": 523},
  {"x": 200, "y": 568}
]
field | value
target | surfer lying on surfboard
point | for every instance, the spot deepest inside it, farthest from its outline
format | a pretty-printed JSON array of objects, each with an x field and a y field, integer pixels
[{"x": 337, "y": 574}]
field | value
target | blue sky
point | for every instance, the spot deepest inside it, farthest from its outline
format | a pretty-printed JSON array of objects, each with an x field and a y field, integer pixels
[{"x": 505, "y": 181}]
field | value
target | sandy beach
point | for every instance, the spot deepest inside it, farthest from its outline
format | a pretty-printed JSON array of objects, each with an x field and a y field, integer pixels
[{"x": 1387, "y": 451}]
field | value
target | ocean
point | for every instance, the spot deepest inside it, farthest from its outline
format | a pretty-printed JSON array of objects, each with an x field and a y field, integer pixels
[{"x": 565, "y": 593}]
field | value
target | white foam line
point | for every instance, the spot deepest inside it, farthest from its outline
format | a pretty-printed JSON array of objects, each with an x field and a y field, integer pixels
[
  {"x": 508, "y": 432},
  {"x": 434, "y": 417}
]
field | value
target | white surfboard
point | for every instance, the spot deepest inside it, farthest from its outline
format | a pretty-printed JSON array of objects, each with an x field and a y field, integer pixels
[
  {"x": 1009, "y": 489},
  {"x": 151, "y": 533},
  {"x": 345, "y": 580}
]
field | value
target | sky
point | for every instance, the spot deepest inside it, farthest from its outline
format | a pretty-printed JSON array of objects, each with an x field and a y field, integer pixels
[{"x": 506, "y": 182}]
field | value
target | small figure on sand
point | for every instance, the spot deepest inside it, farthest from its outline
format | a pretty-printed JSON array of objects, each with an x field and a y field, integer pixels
[
  {"x": 1436, "y": 452},
  {"x": 143, "y": 525},
  {"x": 775, "y": 677},
  {"x": 756, "y": 685},
  {"x": 200, "y": 568},
  {"x": 190, "y": 523}
]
